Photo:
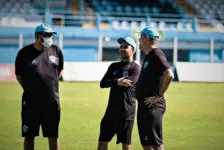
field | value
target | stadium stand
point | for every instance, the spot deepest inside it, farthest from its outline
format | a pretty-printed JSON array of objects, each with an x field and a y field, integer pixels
[
  {"x": 166, "y": 15},
  {"x": 84, "y": 20},
  {"x": 19, "y": 13},
  {"x": 211, "y": 11},
  {"x": 137, "y": 11}
]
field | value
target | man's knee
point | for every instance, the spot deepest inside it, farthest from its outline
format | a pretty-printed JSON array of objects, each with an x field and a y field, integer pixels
[
  {"x": 29, "y": 143},
  {"x": 102, "y": 145},
  {"x": 52, "y": 139},
  {"x": 126, "y": 146}
]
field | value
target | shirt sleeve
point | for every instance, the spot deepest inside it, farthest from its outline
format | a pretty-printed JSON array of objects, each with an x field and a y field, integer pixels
[
  {"x": 19, "y": 64},
  {"x": 108, "y": 80},
  {"x": 161, "y": 62},
  {"x": 61, "y": 60},
  {"x": 134, "y": 74}
]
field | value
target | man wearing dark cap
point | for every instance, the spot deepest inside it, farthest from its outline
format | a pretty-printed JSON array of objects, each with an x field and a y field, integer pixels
[
  {"x": 119, "y": 116},
  {"x": 154, "y": 80},
  {"x": 38, "y": 68}
]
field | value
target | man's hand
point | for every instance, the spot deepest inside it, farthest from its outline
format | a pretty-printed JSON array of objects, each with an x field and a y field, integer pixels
[
  {"x": 124, "y": 82},
  {"x": 152, "y": 100}
]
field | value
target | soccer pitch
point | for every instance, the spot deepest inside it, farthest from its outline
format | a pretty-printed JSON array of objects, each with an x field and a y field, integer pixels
[{"x": 194, "y": 119}]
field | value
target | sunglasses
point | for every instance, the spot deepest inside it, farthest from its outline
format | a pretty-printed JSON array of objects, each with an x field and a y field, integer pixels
[
  {"x": 125, "y": 46},
  {"x": 44, "y": 34}
]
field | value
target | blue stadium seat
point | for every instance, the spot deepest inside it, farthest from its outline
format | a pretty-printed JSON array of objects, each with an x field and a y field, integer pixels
[
  {"x": 142, "y": 24},
  {"x": 146, "y": 9},
  {"x": 105, "y": 3},
  {"x": 95, "y": 3},
  {"x": 162, "y": 26},
  {"x": 172, "y": 27},
  {"x": 118, "y": 8},
  {"x": 99, "y": 8},
  {"x": 153, "y": 24},
  {"x": 137, "y": 9},
  {"x": 134, "y": 25},
  {"x": 127, "y": 8},
  {"x": 155, "y": 10},
  {"x": 189, "y": 27},
  {"x": 125, "y": 25},
  {"x": 116, "y": 24},
  {"x": 109, "y": 8}
]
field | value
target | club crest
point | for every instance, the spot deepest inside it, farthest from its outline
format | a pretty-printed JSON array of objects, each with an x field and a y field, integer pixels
[
  {"x": 145, "y": 64},
  {"x": 125, "y": 73},
  {"x": 114, "y": 73},
  {"x": 52, "y": 59},
  {"x": 34, "y": 61}
]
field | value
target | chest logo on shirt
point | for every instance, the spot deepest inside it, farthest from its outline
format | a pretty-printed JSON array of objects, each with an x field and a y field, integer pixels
[
  {"x": 114, "y": 73},
  {"x": 145, "y": 64},
  {"x": 52, "y": 59},
  {"x": 34, "y": 61},
  {"x": 125, "y": 73}
]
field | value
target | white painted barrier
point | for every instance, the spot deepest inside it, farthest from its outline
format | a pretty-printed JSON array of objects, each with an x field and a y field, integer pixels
[
  {"x": 200, "y": 72},
  {"x": 192, "y": 72},
  {"x": 84, "y": 71}
]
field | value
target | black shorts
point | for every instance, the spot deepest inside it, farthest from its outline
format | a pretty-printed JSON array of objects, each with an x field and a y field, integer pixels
[
  {"x": 122, "y": 128},
  {"x": 47, "y": 116},
  {"x": 149, "y": 122}
]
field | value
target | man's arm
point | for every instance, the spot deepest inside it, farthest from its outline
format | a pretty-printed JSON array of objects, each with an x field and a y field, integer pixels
[
  {"x": 131, "y": 79},
  {"x": 60, "y": 74},
  {"x": 167, "y": 78},
  {"x": 134, "y": 74},
  {"x": 19, "y": 79},
  {"x": 107, "y": 80},
  {"x": 19, "y": 67},
  {"x": 162, "y": 69},
  {"x": 61, "y": 63}
]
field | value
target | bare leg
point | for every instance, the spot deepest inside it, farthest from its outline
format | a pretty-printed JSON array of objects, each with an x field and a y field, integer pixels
[
  {"x": 153, "y": 147},
  {"x": 54, "y": 143},
  {"x": 147, "y": 148},
  {"x": 126, "y": 146},
  {"x": 102, "y": 146},
  {"x": 29, "y": 143}
]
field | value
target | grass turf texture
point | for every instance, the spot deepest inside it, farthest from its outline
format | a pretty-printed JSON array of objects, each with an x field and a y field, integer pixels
[{"x": 194, "y": 118}]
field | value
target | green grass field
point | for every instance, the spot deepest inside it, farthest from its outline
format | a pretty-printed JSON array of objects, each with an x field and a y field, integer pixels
[{"x": 194, "y": 119}]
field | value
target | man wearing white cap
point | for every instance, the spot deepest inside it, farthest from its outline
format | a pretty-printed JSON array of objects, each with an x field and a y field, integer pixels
[
  {"x": 38, "y": 68},
  {"x": 154, "y": 80},
  {"x": 119, "y": 116}
]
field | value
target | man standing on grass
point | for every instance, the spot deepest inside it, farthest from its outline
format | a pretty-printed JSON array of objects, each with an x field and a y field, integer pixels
[
  {"x": 154, "y": 80},
  {"x": 119, "y": 116},
  {"x": 38, "y": 68}
]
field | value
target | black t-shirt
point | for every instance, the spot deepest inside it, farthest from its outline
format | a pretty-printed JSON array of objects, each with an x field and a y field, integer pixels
[
  {"x": 151, "y": 76},
  {"x": 122, "y": 100},
  {"x": 39, "y": 71}
]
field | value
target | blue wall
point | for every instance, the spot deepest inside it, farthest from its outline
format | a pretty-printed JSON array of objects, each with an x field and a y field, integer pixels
[
  {"x": 204, "y": 55},
  {"x": 71, "y": 32},
  {"x": 8, "y": 54},
  {"x": 80, "y": 54},
  {"x": 71, "y": 54}
]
